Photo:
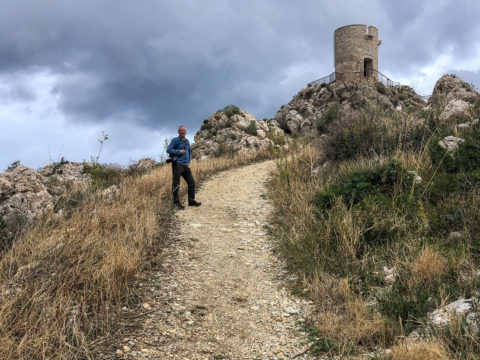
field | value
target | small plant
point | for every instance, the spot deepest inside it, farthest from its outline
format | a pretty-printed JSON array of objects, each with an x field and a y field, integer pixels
[
  {"x": 224, "y": 150},
  {"x": 103, "y": 176},
  {"x": 206, "y": 126},
  {"x": 252, "y": 128},
  {"x": 278, "y": 139},
  {"x": 13, "y": 165},
  {"x": 331, "y": 114},
  {"x": 101, "y": 141},
  {"x": 231, "y": 110},
  {"x": 308, "y": 93},
  {"x": 380, "y": 88}
]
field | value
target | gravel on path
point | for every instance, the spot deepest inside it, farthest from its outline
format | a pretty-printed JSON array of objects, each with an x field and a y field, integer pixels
[{"x": 221, "y": 293}]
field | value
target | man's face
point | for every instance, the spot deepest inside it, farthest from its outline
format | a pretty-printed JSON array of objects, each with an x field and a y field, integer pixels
[{"x": 182, "y": 132}]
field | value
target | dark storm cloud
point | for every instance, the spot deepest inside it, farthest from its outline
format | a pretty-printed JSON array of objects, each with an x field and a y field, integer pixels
[
  {"x": 155, "y": 64},
  {"x": 419, "y": 32},
  {"x": 164, "y": 62}
]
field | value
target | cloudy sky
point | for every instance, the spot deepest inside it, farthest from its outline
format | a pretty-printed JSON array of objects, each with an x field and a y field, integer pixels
[{"x": 137, "y": 69}]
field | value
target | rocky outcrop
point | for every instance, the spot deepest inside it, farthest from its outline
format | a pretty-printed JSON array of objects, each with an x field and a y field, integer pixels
[
  {"x": 302, "y": 113},
  {"x": 456, "y": 109},
  {"x": 234, "y": 132},
  {"x": 449, "y": 88},
  {"x": 26, "y": 194}
]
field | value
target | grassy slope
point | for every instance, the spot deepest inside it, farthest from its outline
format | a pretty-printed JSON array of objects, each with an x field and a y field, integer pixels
[
  {"x": 64, "y": 280},
  {"x": 364, "y": 212}
]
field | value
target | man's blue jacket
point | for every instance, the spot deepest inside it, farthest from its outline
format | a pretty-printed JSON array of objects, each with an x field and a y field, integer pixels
[{"x": 174, "y": 148}]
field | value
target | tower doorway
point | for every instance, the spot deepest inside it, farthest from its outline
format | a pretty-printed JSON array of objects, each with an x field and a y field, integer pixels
[{"x": 367, "y": 68}]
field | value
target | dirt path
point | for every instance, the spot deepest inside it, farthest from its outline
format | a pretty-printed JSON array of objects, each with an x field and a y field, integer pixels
[{"x": 222, "y": 285}]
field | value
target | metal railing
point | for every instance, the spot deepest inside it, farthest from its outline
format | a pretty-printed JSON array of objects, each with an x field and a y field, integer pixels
[
  {"x": 325, "y": 80},
  {"x": 386, "y": 81},
  {"x": 358, "y": 75}
]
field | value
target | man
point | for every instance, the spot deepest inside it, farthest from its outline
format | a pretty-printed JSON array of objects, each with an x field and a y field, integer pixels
[{"x": 180, "y": 153}]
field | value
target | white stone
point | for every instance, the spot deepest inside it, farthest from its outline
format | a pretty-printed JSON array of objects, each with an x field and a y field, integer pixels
[
  {"x": 455, "y": 108},
  {"x": 441, "y": 317},
  {"x": 450, "y": 143},
  {"x": 389, "y": 274}
]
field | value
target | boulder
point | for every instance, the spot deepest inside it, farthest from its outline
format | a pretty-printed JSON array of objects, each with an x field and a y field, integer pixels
[
  {"x": 443, "y": 315},
  {"x": 240, "y": 133},
  {"x": 456, "y": 109},
  {"x": 26, "y": 194},
  {"x": 451, "y": 87},
  {"x": 450, "y": 143},
  {"x": 146, "y": 164},
  {"x": 23, "y": 197}
]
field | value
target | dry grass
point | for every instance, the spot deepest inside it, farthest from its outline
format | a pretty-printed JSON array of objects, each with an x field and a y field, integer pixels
[
  {"x": 343, "y": 316},
  {"x": 428, "y": 267},
  {"x": 425, "y": 350},
  {"x": 63, "y": 281}
]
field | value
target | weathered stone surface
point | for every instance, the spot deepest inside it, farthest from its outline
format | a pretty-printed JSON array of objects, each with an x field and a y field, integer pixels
[
  {"x": 390, "y": 274},
  {"x": 450, "y": 87},
  {"x": 442, "y": 316},
  {"x": 146, "y": 164},
  {"x": 302, "y": 113},
  {"x": 354, "y": 43},
  {"x": 456, "y": 109},
  {"x": 239, "y": 133},
  {"x": 450, "y": 143},
  {"x": 26, "y": 194}
]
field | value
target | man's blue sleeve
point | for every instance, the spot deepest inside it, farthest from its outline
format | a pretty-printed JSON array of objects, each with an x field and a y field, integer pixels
[{"x": 171, "y": 148}]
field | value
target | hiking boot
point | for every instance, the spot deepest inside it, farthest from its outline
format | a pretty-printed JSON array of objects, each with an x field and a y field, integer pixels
[
  {"x": 194, "y": 203},
  {"x": 179, "y": 206}
]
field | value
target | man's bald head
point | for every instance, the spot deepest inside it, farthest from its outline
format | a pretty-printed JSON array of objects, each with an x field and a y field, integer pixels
[{"x": 182, "y": 132}]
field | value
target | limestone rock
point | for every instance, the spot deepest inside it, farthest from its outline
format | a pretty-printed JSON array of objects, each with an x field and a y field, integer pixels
[
  {"x": 239, "y": 133},
  {"x": 442, "y": 316},
  {"x": 456, "y": 109},
  {"x": 451, "y": 87},
  {"x": 146, "y": 164},
  {"x": 302, "y": 113},
  {"x": 26, "y": 194},
  {"x": 450, "y": 143},
  {"x": 390, "y": 274}
]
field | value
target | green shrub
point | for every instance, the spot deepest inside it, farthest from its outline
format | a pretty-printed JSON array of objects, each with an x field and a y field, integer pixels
[
  {"x": 277, "y": 139},
  {"x": 381, "y": 88},
  {"x": 361, "y": 133},
  {"x": 308, "y": 93},
  {"x": 360, "y": 185},
  {"x": 224, "y": 150},
  {"x": 411, "y": 307},
  {"x": 252, "y": 128},
  {"x": 231, "y": 110},
  {"x": 379, "y": 198},
  {"x": 206, "y": 125},
  {"x": 466, "y": 158},
  {"x": 103, "y": 176},
  {"x": 331, "y": 114}
]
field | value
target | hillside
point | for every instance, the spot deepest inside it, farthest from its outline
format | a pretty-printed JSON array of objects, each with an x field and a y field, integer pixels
[
  {"x": 372, "y": 207},
  {"x": 379, "y": 218}
]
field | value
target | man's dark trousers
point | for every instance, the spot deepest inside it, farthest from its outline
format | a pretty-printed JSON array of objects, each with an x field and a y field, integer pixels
[{"x": 183, "y": 171}]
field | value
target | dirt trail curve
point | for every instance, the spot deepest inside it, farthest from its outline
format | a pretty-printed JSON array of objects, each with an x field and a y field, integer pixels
[{"x": 222, "y": 285}]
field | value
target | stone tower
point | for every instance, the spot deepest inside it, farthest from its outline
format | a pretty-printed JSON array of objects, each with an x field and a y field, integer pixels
[{"x": 356, "y": 52}]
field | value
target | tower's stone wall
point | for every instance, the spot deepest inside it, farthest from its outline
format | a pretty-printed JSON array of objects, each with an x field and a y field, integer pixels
[{"x": 356, "y": 52}]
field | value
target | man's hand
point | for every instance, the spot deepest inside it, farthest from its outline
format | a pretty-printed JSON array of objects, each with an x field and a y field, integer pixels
[{"x": 182, "y": 152}]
